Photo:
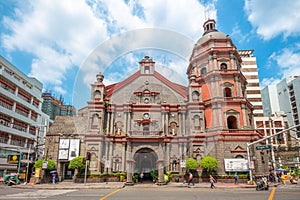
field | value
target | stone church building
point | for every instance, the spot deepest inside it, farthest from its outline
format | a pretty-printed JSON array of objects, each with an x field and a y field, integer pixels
[{"x": 147, "y": 122}]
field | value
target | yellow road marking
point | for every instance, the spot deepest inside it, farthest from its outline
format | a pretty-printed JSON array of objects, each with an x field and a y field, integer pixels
[
  {"x": 272, "y": 194},
  {"x": 110, "y": 194}
]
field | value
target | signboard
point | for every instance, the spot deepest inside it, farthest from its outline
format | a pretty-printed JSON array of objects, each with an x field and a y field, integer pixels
[
  {"x": 236, "y": 165},
  {"x": 74, "y": 148},
  {"x": 45, "y": 165},
  {"x": 182, "y": 164},
  {"x": 64, "y": 143},
  {"x": 13, "y": 159},
  {"x": 63, "y": 154},
  {"x": 263, "y": 147},
  {"x": 107, "y": 164}
]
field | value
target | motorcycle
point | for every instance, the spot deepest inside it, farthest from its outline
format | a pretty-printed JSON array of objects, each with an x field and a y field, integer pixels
[
  {"x": 11, "y": 180},
  {"x": 262, "y": 185}
]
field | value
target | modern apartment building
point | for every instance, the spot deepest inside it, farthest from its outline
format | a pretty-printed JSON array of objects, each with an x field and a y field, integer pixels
[
  {"x": 284, "y": 96},
  {"x": 283, "y": 151},
  {"x": 56, "y": 107},
  {"x": 22, "y": 123},
  {"x": 250, "y": 71}
]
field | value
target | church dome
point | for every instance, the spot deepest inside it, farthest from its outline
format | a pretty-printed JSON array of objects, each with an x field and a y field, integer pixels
[{"x": 210, "y": 32}]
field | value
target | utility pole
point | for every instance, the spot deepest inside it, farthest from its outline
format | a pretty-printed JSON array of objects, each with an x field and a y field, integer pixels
[
  {"x": 27, "y": 169},
  {"x": 271, "y": 142}
]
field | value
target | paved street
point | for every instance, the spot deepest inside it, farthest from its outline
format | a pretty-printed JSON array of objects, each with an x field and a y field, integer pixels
[{"x": 115, "y": 191}]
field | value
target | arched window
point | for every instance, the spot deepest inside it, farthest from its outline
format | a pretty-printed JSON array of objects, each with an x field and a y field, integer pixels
[
  {"x": 227, "y": 92},
  {"x": 195, "y": 96},
  {"x": 97, "y": 94},
  {"x": 95, "y": 121},
  {"x": 173, "y": 128},
  {"x": 203, "y": 71},
  {"x": 197, "y": 122},
  {"x": 232, "y": 122},
  {"x": 223, "y": 66},
  {"x": 147, "y": 70},
  {"x": 146, "y": 129}
]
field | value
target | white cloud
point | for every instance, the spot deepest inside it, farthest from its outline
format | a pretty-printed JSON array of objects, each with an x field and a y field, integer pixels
[
  {"x": 288, "y": 61},
  {"x": 269, "y": 81},
  {"x": 272, "y": 18},
  {"x": 59, "y": 34}
]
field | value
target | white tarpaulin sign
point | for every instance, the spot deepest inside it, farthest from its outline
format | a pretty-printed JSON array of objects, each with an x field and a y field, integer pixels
[
  {"x": 236, "y": 165},
  {"x": 74, "y": 148}
]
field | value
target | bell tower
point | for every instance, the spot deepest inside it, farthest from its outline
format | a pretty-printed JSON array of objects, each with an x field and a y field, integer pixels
[
  {"x": 96, "y": 106},
  {"x": 215, "y": 76}
]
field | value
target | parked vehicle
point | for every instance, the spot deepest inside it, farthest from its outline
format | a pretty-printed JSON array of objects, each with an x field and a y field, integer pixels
[
  {"x": 11, "y": 180},
  {"x": 262, "y": 185}
]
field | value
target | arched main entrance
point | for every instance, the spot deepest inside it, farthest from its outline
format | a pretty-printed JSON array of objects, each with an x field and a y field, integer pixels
[{"x": 145, "y": 161}]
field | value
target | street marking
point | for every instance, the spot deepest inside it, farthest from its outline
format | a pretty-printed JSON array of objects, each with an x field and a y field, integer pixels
[
  {"x": 272, "y": 194},
  {"x": 37, "y": 194},
  {"x": 110, "y": 194}
]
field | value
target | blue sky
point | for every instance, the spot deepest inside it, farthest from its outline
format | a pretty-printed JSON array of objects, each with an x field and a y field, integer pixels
[{"x": 61, "y": 42}]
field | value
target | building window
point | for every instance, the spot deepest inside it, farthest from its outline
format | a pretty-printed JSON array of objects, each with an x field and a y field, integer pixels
[
  {"x": 147, "y": 70},
  {"x": 203, "y": 71},
  {"x": 232, "y": 122},
  {"x": 146, "y": 129},
  {"x": 223, "y": 66},
  {"x": 195, "y": 96},
  {"x": 97, "y": 94},
  {"x": 227, "y": 92}
]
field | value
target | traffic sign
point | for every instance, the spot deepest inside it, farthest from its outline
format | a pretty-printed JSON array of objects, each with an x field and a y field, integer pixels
[{"x": 263, "y": 147}]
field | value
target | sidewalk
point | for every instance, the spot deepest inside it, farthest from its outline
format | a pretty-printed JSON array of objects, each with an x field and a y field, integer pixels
[{"x": 117, "y": 185}]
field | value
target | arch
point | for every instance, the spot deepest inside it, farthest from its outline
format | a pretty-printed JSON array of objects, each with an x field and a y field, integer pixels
[
  {"x": 232, "y": 122},
  {"x": 203, "y": 71},
  {"x": 223, "y": 66},
  {"x": 119, "y": 126},
  {"x": 227, "y": 92},
  {"x": 95, "y": 121},
  {"x": 173, "y": 128},
  {"x": 97, "y": 94},
  {"x": 195, "y": 96},
  {"x": 197, "y": 125},
  {"x": 239, "y": 156},
  {"x": 145, "y": 159},
  {"x": 146, "y": 128}
]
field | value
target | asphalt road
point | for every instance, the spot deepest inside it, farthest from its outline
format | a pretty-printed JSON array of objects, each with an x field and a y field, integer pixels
[{"x": 161, "y": 193}]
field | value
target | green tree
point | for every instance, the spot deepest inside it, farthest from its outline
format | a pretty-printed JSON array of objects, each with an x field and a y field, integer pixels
[
  {"x": 77, "y": 163},
  {"x": 51, "y": 164},
  {"x": 209, "y": 163},
  {"x": 191, "y": 164}
]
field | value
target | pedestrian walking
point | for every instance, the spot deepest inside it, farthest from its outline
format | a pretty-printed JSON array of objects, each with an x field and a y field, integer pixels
[
  {"x": 190, "y": 179},
  {"x": 212, "y": 180},
  {"x": 53, "y": 178},
  {"x": 142, "y": 177},
  {"x": 236, "y": 181}
]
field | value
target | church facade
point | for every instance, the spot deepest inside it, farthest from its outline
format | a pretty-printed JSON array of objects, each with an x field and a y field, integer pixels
[{"x": 147, "y": 122}]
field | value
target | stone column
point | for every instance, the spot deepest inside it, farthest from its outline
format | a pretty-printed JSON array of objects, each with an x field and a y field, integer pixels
[
  {"x": 111, "y": 123},
  {"x": 184, "y": 124},
  {"x": 123, "y": 156},
  {"x": 107, "y": 123},
  {"x": 160, "y": 168},
  {"x": 129, "y": 166}
]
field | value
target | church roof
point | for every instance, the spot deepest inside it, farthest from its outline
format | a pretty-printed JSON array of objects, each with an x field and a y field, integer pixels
[{"x": 180, "y": 89}]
